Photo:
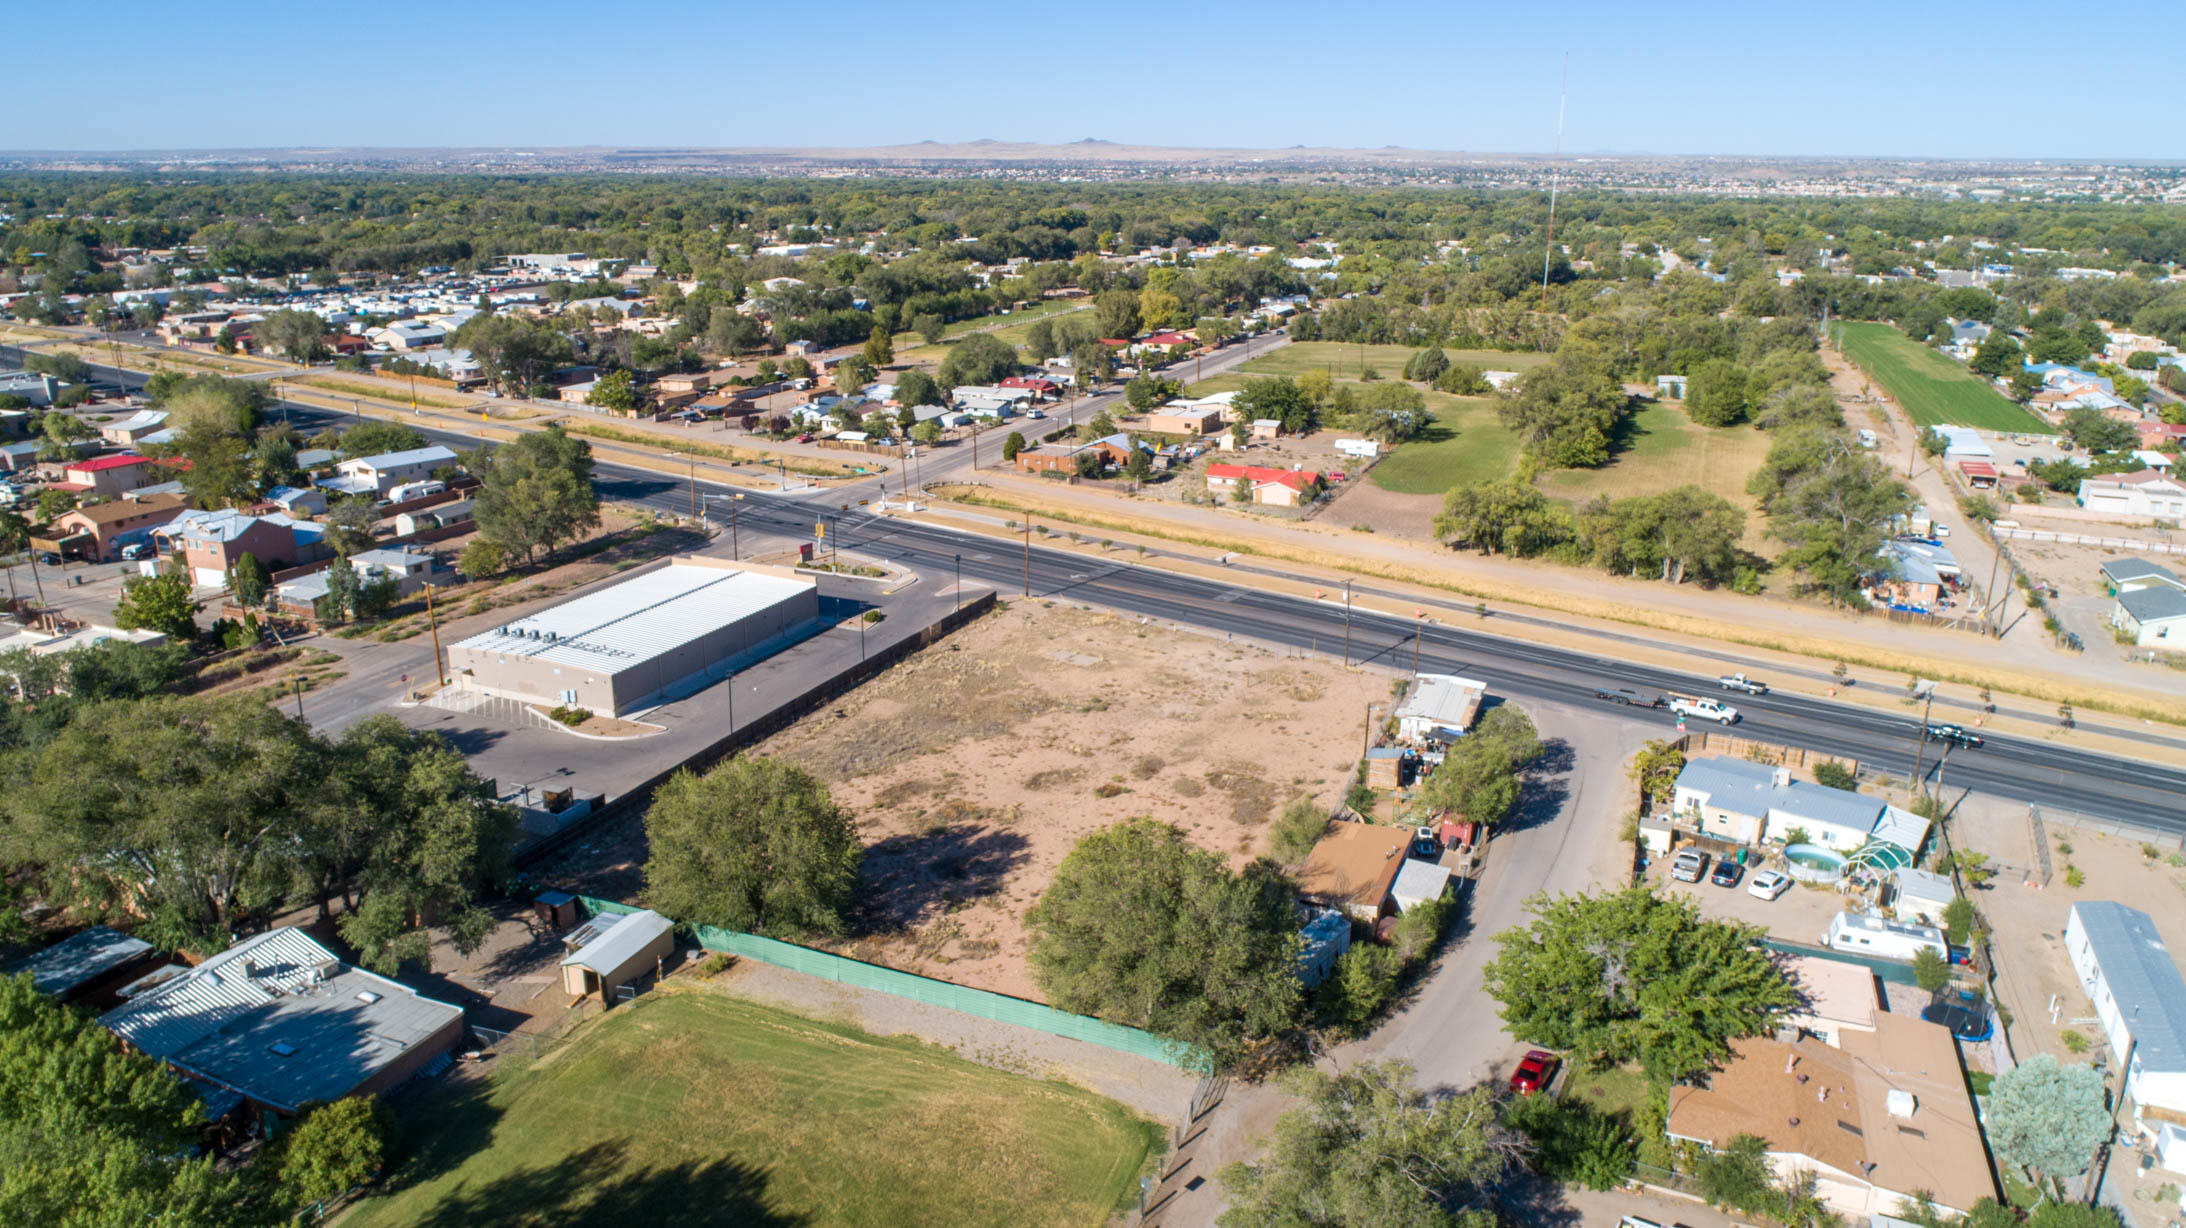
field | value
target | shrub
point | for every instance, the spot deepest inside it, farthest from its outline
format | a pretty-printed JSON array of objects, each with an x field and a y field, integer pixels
[
  {"x": 2073, "y": 877},
  {"x": 1297, "y": 830},
  {"x": 571, "y": 717},
  {"x": 1835, "y": 775},
  {"x": 1364, "y": 979},
  {"x": 1958, "y": 919},
  {"x": 2073, "y": 1041},
  {"x": 714, "y": 965}
]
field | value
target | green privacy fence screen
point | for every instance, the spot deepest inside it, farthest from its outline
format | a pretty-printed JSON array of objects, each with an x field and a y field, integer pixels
[{"x": 984, "y": 1003}]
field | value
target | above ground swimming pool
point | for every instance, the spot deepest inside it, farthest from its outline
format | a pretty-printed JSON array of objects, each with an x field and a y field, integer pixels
[{"x": 1812, "y": 863}]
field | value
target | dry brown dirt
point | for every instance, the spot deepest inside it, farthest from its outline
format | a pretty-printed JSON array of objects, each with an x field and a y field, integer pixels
[{"x": 975, "y": 767}]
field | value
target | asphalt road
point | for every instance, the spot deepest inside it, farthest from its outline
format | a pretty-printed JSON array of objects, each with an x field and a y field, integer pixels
[{"x": 2051, "y": 776}]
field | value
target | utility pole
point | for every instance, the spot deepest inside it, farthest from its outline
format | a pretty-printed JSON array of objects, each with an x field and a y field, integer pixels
[
  {"x": 1920, "y": 744},
  {"x": 694, "y": 490},
  {"x": 1988, "y": 595},
  {"x": 1028, "y": 557},
  {"x": 1418, "y": 625},
  {"x": 434, "y": 622},
  {"x": 1366, "y": 737},
  {"x": 1347, "y": 624},
  {"x": 960, "y": 582},
  {"x": 736, "y": 549}
]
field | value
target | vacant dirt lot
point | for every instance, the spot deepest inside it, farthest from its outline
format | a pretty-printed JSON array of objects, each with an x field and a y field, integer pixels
[{"x": 974, "y": 768}]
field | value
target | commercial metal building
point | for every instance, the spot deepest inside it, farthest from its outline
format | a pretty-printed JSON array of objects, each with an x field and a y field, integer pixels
[{"x": 647, "y": 640}]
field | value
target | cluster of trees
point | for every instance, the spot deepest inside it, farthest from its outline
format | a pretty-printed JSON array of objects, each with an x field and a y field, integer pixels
[
  {"x": 197, "y": 819},
  {"x": 95, "y": 1134},
  {"x": 1832, "y": 503},
  {"x": 1679, "y": 535},
  {"x": 755, "y": 845},
  {"x": 1482, "y": 773}
]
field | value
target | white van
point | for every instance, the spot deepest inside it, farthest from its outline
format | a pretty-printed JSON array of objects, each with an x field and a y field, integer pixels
[{"x": 1867, "y": 438}]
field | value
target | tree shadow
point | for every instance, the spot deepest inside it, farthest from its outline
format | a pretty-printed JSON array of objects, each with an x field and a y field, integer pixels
[
  {"x": 1545, "y": 789},
  {"x": 1626, "y": 434},
  {"x": 1529, "y": 1198},
  {"x": 598, "y": 1186},
  {"x": 912, "y": 876}
]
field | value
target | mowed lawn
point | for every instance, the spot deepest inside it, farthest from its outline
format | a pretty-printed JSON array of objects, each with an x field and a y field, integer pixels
[
  {"x": 1933, "y": 389},
  {"x": 694, "y": 1108},
  {"x": 1464, "y": 444},
  {"x": 1011, "y": 327},
  {"x": 1345, "y": 360}
]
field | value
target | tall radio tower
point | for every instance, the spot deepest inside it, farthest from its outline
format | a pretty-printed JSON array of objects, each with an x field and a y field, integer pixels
[{"x": 1555, "y": 167}]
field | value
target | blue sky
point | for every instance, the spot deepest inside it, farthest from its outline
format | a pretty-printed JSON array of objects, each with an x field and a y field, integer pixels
[{"x": 1760, "y": 77}]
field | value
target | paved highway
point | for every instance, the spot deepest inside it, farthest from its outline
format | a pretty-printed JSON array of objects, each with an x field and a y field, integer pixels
[{"x": 2049, "y": 775}]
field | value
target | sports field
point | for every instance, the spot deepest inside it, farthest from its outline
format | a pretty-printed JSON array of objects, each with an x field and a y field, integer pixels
[
  {"x": 695, "y": 1108},
  {"x": 1932, "y": 388},
  {"x": 1464, "y": 444}
]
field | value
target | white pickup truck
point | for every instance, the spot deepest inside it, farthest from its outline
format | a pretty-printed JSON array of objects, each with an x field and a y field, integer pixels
[
  {"x": 1739, "y": 682},
  {"x": 1701, "y": 708}
]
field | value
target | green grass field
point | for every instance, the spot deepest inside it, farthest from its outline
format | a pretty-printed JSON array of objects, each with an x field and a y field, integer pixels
[
  {"x": 1662, "y": 449},
  {"x": 1933, "y": 389},
  {"x": 1465, "y": 444},
  {"x": 1344, "y": 360},
  {"x": 1011, "y": 328},
  {"x": 693, "y": 1108}
]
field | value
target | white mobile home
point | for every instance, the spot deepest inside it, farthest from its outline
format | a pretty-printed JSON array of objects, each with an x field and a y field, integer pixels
[{"x": 2140, "y": 998}]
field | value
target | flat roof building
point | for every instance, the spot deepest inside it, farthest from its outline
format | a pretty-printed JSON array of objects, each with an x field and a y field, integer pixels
[
  {"x": 1440, "y": 707},
  {"x": 79, "y": 966},
  {"x": 279, "y": 1021},
  {"x": 655, "y": 637},
  {"x": 2139, "y": 997}
]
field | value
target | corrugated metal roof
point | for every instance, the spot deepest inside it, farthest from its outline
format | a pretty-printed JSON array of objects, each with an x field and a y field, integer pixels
[
  {"x": 639, "y": 619},
  {"x": 620, "y": 942},
  {"x": 1445, "y": 699},
  {"x": 280, "y": 1019},
  {"x": 2142, "y": 977},
  {"x": 395, "y": 460}
]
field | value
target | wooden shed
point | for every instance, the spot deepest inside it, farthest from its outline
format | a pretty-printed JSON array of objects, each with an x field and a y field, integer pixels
[{"x": 608, "y": 952}]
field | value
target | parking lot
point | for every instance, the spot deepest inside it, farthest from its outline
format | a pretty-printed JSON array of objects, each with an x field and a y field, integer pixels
[{"x": 1801, "y": 914}]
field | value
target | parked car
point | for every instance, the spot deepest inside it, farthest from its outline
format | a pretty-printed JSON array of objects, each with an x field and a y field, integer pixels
[
  {"x": 1739, "y": 682},
  {"x": 1768, "y": 884},
  {"x": 136, "y": 550},
  {"x": 805, "y": 438},
  {"x": 49, "y": 558},
  {"x": 1424, "y": 843},
  {"x": 1956, "y": 735},
  {"x": 1536, "y": 1070},
  {"x": 1689, "y": 866},
  {"x": 1631, "y": 698},
  {"x": 1727, "y": 873}
]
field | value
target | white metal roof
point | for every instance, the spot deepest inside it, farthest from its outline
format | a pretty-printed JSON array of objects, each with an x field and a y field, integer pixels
[
  {"x": 1443, "y": 699},
  {"x": 617, "y": 943},
  {"x": 639, "y": 619},
  {"x": 2143, "y": 979}
]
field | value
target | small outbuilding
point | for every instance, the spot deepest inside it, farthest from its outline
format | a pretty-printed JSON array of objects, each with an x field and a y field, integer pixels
[
  {"x": 1921, "y": 896},
  {"x": 87, "y": 967},
  {"x": 1326, "y": 936},
  {"x": 1439, "y": 708},
  {"x": 609, "y": 952},
  {"x": 1419, "y": 882}
]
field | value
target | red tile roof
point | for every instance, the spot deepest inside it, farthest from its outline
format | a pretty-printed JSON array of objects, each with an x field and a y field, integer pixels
[
  {"x": 1977, "y": 469},
  {"x": 1167, "y": 339}
]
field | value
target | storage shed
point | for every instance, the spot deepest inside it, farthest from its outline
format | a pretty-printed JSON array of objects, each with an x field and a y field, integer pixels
[
  {"x": 608, "y": 952},
  {"x": 1921, "y": 896},
  {"x": 1419, "y": 882},
  {"x": 1440, "y": 707},
  {"x": 86, "y": 967}
]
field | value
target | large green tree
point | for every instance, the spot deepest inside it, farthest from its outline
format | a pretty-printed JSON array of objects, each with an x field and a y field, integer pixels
[
  {"x": 535, "y": 492},
  {"x": 1716, "y": 394},
  {"x": 981, "y": 358},
  {"x": 517, "y": 353},
  {"x": 1480, "y": 774},
  {"x": 1277, "y": 397},
  {"x": 158, "y": 603},
  {"x": 1832, "y": 503},
  {"x": 1565, "y": 412},
  {"x": 1142, "y": 927},
  {"x": 756, "y": 845},
  {"x": 1633, "y": 976},
  {"x": 1367, "y": 1147},
  {"x": 301, "y": 335},
  {"x": 1509, "y": 516}
]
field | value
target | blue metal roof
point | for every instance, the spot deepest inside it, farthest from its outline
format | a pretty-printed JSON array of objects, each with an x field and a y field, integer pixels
[{"x": 2142, "y": 977}]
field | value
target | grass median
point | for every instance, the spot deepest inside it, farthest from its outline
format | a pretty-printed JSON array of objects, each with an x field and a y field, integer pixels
[{"x": 696, "y": 1108}]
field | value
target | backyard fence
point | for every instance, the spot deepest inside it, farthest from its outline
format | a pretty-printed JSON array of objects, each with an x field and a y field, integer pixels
[{"x": 983, "y": 1003}]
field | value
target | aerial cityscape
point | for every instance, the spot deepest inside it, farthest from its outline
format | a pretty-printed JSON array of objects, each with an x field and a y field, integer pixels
[{"x": 1352, "y": 652}]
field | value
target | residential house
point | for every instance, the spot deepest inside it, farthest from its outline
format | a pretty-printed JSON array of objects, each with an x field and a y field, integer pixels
[
  {"x": 1281, "y": 487},
  {"x": 130, "y": 431},
  {"x": 1835, "y": 997},
  {"x": 2140, "y": 1001},
  {"x": 2161, "y": 435},
  {"x": 993, "y": 394},
  {"x": 210, "y": 543},
  {"x": 1354, "y": 867},
  {"x": 379, "y": 474},
  {"x": 297, "y": 500},
  {"x": 1964, "y": 443},
  {"x": 410, "y": 569},
  {"x": 276, "y": 1022},
  {"x": 1877, "y": 1119},
  {"x": 409, "y": 335},
  {"x": 2149, "y": 492},
  {"x": 1439, "y": 708},
  {"x": 611, "y": 950},
  {"x": 1114, "y": 451},
  {"x": 2154, "y": 616},
  {"x": 2126, "y": 574},
  {"x": 32, "y": 386},
  {"x": 1913, "y": 574},
  {"x": 1743, "y": 802},
  {"x": 18, "y": 457},
  {"x": 48, "y": 643},
  {"x": 439, "y": 516},
  {"x": 1266, "y": 428},
  {"x": 100, "y": 531},
  {"x": 1041, "y": 388},
  {"x": 111, "y": 475},
  {"x": 1184, "y": 418}
]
